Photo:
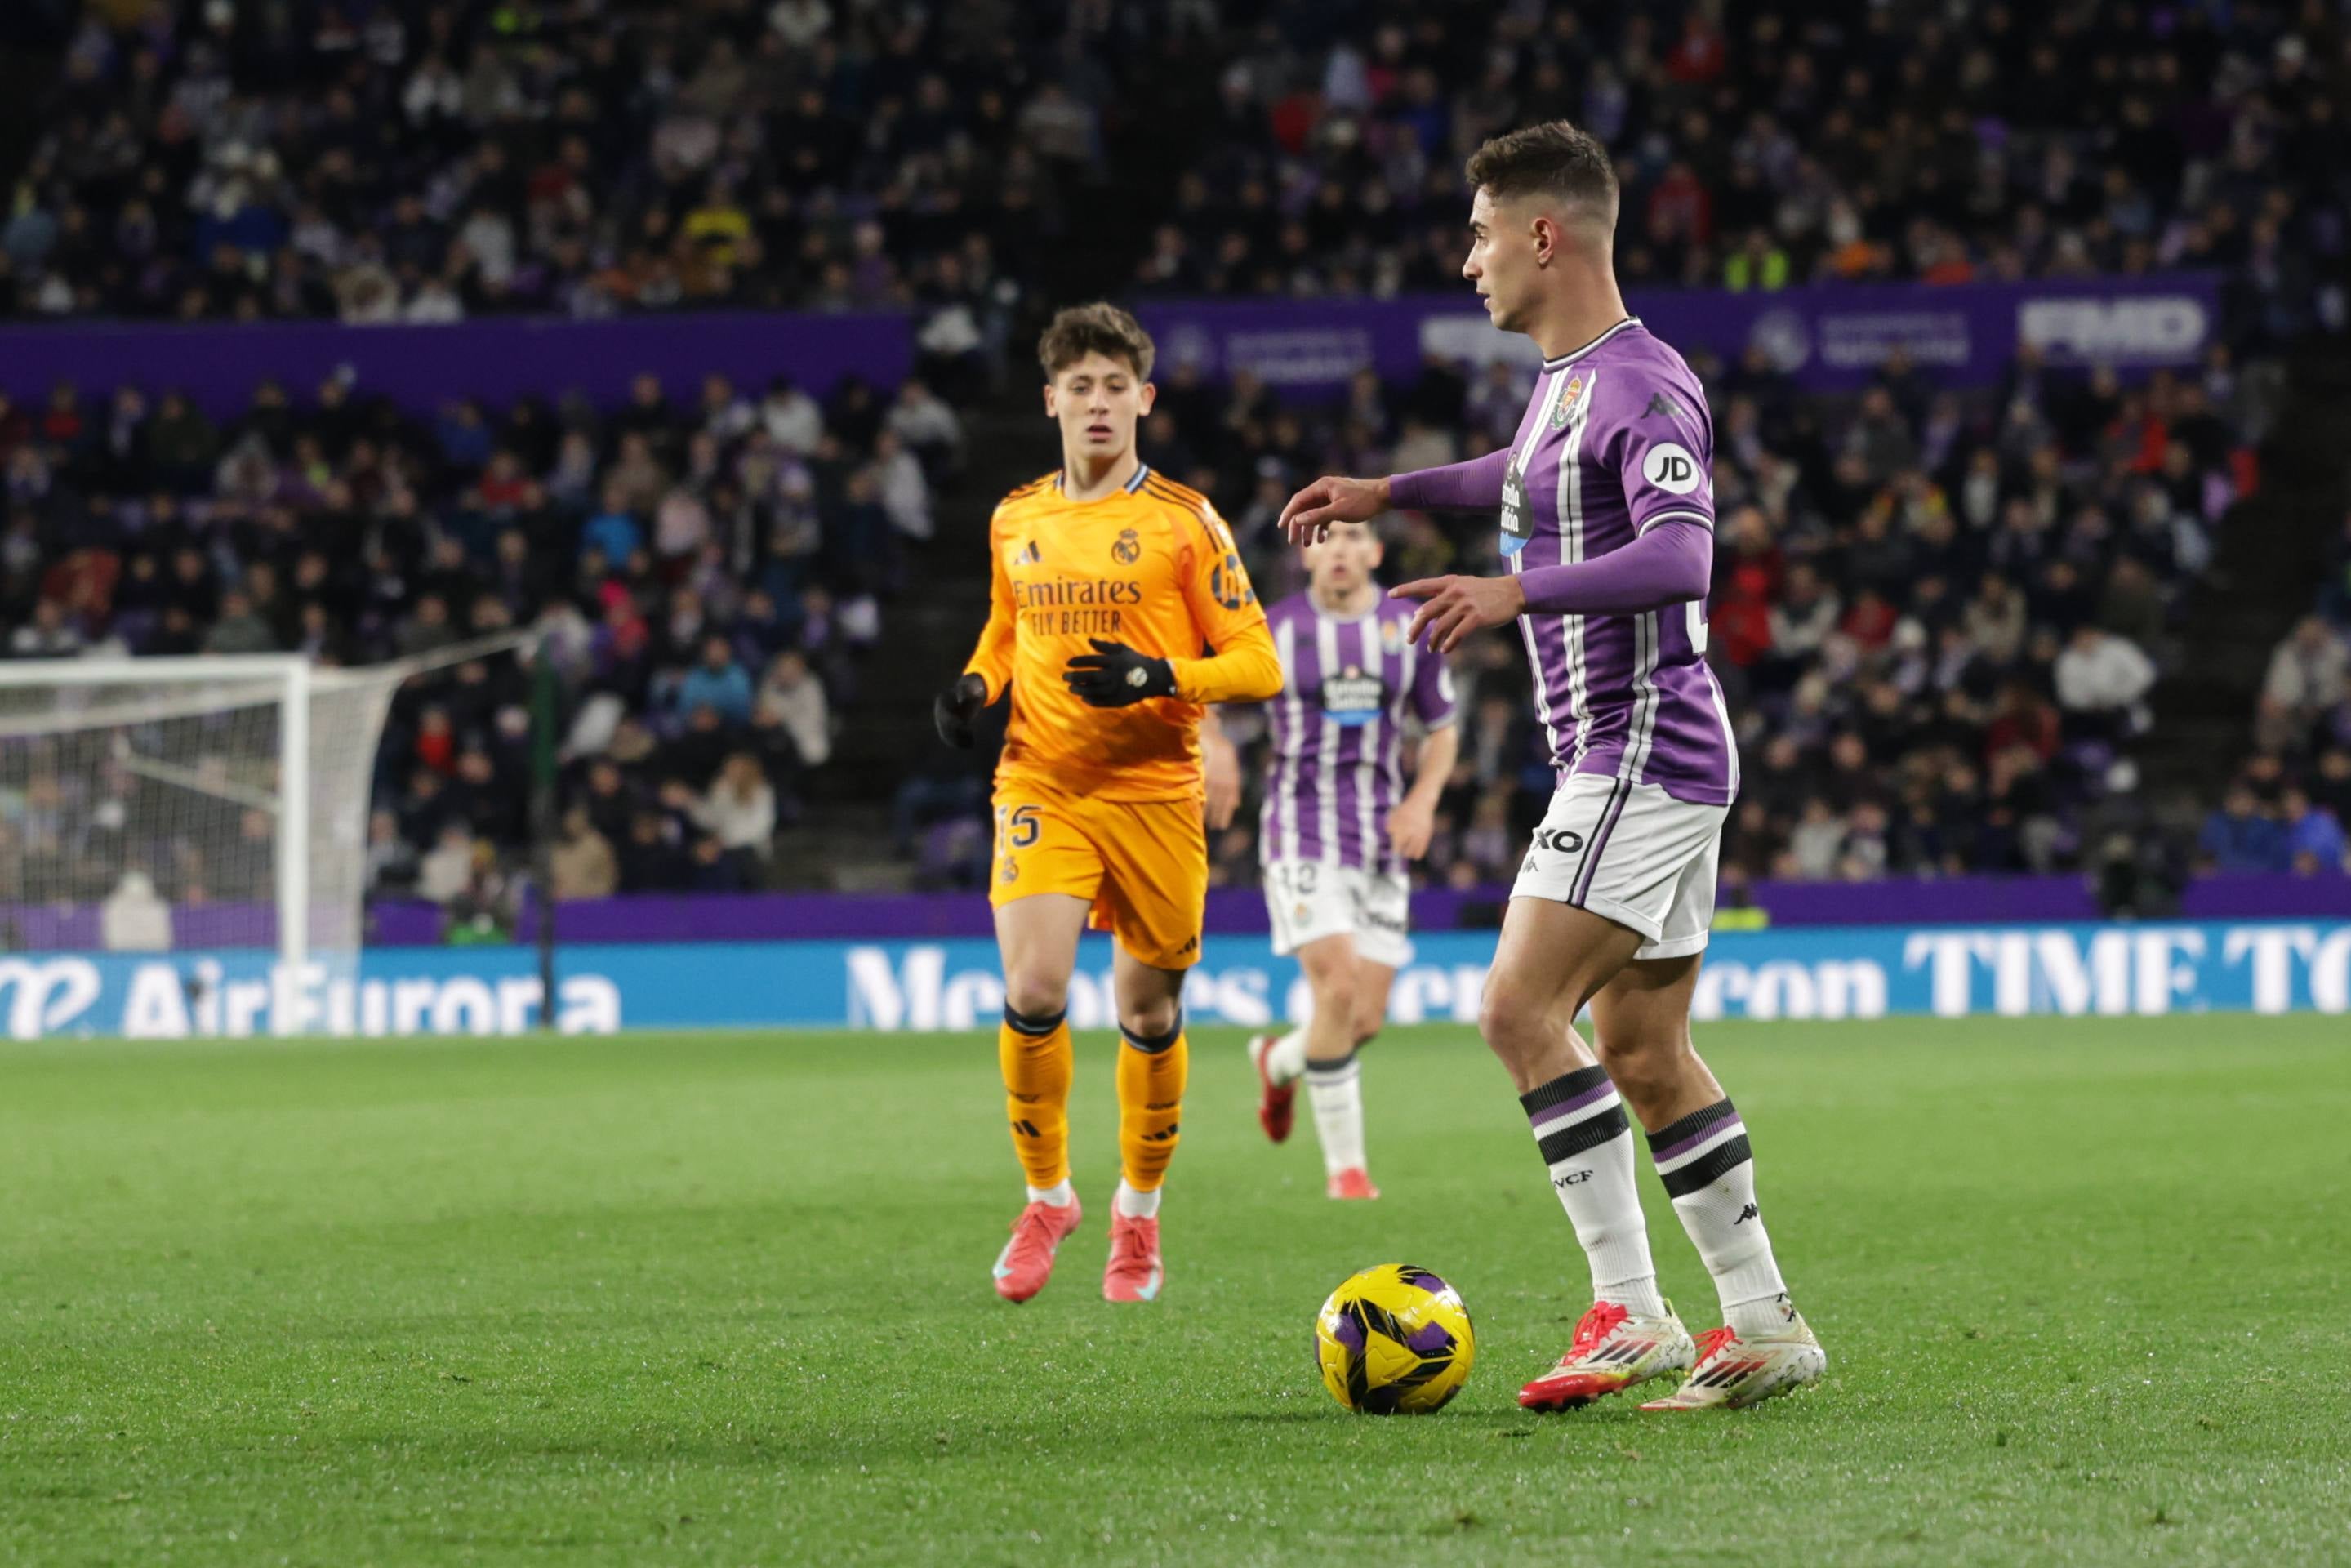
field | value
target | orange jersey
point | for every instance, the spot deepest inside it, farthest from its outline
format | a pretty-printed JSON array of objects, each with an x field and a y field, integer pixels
[{"x": 1151, "y": 566}]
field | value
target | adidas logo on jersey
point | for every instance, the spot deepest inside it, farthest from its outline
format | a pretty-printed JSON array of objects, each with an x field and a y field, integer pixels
[{"x": 1024, "y": 554}]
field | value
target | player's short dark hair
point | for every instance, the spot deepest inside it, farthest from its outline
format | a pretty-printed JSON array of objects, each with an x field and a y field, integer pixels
[
  {"x": 1551, "y": 159},
  {"x": 1100, "y": 328}
]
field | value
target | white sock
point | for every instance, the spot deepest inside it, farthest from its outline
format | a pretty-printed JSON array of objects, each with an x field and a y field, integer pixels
[
  {"x": 1709, "y": 1172},
  {"x": 1060, "y": 1194},
  {"x": 1139, "y": 1205},
  {"x": 1336, "y": 1089},
  {"x": 1285, "y": 1059},
  {"x": 1579, "y": 1124}
]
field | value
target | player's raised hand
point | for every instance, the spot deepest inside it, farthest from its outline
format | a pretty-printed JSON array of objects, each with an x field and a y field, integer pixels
[
  {"x": 1331, "y": 500},
  {"x": 1453, "y": 607}
]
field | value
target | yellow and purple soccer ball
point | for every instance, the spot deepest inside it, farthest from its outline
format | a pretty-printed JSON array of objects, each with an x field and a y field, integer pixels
[{"x": 1394, "y": 1339}]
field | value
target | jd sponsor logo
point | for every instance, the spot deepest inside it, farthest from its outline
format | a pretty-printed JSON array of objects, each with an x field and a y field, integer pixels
[{"x": 1671, "y": 468}]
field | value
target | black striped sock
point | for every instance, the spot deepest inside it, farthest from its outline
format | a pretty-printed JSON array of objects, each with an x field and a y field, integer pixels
[
  {"x": 1573, "y": 1113},
  {"x": 1696, "y": 1151}
]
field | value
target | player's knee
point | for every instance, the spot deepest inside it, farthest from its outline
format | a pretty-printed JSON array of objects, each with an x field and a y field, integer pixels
[
  {"x": 1335, "y": 996},
  {"x": 1510, "y": 1022},
  {"x": 1036, "y": 996},
  {"x": 1640, "y": 1062},
  {"x": 1151, "y": 1020}
]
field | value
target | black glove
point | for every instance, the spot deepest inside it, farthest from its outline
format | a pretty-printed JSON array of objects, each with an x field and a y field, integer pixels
[
  {"x": 1114, "y": 676},
  {"x": 953, "y": 709}
]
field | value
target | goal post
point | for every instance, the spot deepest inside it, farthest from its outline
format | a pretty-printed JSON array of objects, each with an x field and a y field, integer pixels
[{"x": 202, "y": 804}]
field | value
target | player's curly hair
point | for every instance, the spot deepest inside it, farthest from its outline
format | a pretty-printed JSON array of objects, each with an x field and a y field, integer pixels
[
  {"x": 1554, "y": 159},
  {"x": 1101, "y": 327}
]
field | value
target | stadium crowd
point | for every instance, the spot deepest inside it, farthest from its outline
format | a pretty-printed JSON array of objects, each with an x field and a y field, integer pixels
[
  {"x": 425, "y": 160},
  {"x": 1938, "y": 617},
  {"x": 707, "y": 569},
  {"x": 2287, "y": 808},
  {"x": 1938, "y": 614}
]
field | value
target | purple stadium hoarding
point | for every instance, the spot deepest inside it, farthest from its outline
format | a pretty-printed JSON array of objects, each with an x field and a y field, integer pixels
[
  {"x": 1830, "y": 338},
  {"x": 421, "y": 368}
]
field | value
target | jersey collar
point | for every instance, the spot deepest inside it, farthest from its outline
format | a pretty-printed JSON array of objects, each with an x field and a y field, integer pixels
[
  {"x": 1572, "y": 354},
  {"x": 1141, "y": 473}
]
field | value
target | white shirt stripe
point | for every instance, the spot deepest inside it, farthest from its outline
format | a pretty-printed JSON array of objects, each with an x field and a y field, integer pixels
[
  {"x": 1367, "y": 759},
  {"x": 1326, "y": 792},
  {"x": 1571, "y": 513},
  {"x": 1294, "y": 711}
]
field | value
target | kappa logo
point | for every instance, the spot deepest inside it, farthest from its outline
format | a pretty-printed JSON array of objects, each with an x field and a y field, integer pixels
[
  {"x": 1662, "y": 405},
  {"x": 1561, "y": 841},
  {"x": 1128, "y": 549},
  {"x": 1745, "y": 1214},
  {"x": 1671, "y": 468}
]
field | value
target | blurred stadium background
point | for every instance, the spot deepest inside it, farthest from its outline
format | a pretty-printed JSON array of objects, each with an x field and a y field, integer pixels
[{"x": 629, "y": 382}]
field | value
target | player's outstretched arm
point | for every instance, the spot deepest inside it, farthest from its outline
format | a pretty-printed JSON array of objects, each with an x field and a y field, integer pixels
[
  {"x": 1332, "y": 498},
  {"x": 1457, "y": 486},
  {"x": 1670, "y": 564}
]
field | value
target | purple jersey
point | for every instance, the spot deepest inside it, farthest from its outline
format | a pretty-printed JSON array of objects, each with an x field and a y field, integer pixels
[
  {"x": 1338, "y": 729},
  {"x": 1615, "y": 438}
]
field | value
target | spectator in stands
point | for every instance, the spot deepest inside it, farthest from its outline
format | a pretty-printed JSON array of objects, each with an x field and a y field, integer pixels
[
  {"x": 2307, "y": 685},
  {"x": 2103, "y": 680},
  {"x": 2240, "y": 836},
  {"x": 447, "y": 870},
  {"x": 2314, "y": 842},
  {"x": 582, "y": 863},
  {"x": 134, "y": 918},
  {"x": 717, "y": 683},
  {"x": 740, "y": 810},
  {"x": 792, "y": 699}
]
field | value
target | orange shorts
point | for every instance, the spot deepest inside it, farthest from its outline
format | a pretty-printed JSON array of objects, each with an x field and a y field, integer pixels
[{"x": 1143, "y": 864}]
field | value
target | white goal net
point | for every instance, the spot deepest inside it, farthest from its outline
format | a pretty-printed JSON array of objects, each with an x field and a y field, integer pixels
[{"x": 214, "y": 808}]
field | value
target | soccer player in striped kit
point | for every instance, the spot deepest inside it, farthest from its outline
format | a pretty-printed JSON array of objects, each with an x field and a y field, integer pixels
[
  {"x": 1338, "y": 829},
  {"x": 1605, "y": 500}
]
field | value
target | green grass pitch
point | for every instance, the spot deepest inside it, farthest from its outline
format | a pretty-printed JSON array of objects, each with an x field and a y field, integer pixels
[{"x": 724, "y": 1299}]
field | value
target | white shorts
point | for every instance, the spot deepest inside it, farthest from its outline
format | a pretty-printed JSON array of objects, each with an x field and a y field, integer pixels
[
  {"x": 1630, "y": 854},
  {"x": 1309, "y": 901}
]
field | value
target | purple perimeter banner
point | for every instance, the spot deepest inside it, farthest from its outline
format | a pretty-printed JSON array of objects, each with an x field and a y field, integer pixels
[
  {"x": 1829, "y": 337},
  {"x": 421, "y": 368}
]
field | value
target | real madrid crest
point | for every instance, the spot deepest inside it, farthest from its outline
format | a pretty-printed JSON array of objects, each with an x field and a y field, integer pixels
[{"x": 1128, "y": 549}]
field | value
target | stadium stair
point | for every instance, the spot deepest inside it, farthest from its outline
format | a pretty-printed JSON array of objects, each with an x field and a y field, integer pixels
[
  {"x": 2269, "y": 553},
  {"x": 926, "y": 632}
]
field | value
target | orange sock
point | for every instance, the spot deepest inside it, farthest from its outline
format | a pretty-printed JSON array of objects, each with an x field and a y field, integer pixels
[
  {"x": 1037, "y": 1058},
  {"x": 1150, "y": 1104}
]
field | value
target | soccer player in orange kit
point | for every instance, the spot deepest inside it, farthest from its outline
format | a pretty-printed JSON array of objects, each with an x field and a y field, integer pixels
[{"x": 1109, "y": 583}]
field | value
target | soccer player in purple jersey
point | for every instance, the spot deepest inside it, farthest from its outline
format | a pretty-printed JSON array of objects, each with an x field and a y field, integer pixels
[
  {"x": 1605, "y": 501},
  {"x": 1339, "y": 828}
]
